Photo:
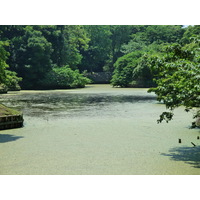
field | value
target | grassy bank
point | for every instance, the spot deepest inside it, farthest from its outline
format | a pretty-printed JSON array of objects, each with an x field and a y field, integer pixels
[{"x": 5, "y": 111}]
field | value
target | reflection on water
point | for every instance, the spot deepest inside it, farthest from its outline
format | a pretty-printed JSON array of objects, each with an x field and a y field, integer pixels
[{"x": 59, "y": 104}]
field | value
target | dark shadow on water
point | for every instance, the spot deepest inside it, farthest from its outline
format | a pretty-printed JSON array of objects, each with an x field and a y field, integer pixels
[
  {"x": 190, "y": 155},
  {"x": 8, "y": 138}
]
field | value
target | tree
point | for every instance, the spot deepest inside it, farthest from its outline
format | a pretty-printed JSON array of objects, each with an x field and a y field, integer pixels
[
  {"x": 140, "y": 74},
  {"x": 13, "y": 35},
  {"x": 74, "y": 39},
  {"x": 143, "y": 74},
  {"x": 190, "y": 31},
  {"x": 153, "y": 35},
  {"x": 97, "y": 54},
  {"x": 12, "y": 81},
  {"x": 8, "y": 79},
  {"x": 34, "y": 50},
  {"x": 137, "y": 43},
  {"x": 62, "y": 78},
  {"x": 3, "y": 65},
  {"x": 164, "y": 33},
  {"x": 124, "y": 67},
  {"x": 67, "y": 41},
  {"x": 37, "y": 57},
  {"x": 178, "y": 78},
  {"x": 120, "y": 35}
]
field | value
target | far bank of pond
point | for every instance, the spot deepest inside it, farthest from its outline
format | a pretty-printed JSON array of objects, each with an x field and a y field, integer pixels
[{"x": 96, "y": 130}]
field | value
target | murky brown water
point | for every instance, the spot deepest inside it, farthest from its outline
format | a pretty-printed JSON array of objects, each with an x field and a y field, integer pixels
[{"x": 96, "y": 130}]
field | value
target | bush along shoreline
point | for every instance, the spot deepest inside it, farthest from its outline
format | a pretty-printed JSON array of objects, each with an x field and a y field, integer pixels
[
  {"x": 63, "y": 78},
  {"x": 3, "y": 89}
]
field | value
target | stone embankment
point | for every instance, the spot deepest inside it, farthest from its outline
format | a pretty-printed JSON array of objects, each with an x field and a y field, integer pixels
[
  {"x": 10, "y": 118},
  {"x": 100, "y": 77}
]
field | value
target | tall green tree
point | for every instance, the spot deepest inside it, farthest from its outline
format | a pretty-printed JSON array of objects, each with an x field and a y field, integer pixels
[
  {"x": 67, "y": 42},
  {"x": 12, "y": 34},
  {"x": 34, "y": 57},
  {"x": 120, "y": 35},
  {"x": 97, "y": 54}
]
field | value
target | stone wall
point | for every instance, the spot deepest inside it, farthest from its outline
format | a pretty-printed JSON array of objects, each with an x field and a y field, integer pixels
[
  {"x": 100, "y": 77},
  {"x": 8, "y": 122}
]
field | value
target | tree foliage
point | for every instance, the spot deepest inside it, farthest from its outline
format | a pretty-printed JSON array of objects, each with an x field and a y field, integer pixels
[
  {"x": 36, "y": 50},
  {"x": 124, "y": 67},
  {"x": 3, "y": 57},
  {"x": 178, "y": 78},
  {"x": 63, "y": 78},
  {"x": 147, "y": 41},
  {"x": 97, "y": 54},
  {"x": 8, "y": 79}
]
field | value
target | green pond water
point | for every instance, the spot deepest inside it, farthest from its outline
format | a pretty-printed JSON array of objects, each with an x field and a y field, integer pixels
[{"x": 96, "y": 130}]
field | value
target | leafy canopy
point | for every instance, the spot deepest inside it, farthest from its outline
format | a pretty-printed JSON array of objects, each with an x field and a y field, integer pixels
[{"x": 177, "y": 78}]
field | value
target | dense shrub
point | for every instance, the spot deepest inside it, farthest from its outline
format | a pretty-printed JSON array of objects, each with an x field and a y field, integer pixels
[
  {"x": 63, "y": 78},
  {"x": 124, "y": 67},
  {"x": 12, "y": 81},
  {"x": 3, "y": 89}
]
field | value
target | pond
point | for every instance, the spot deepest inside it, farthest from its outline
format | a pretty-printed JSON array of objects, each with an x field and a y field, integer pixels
[{"x": 96, "y": 130}]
